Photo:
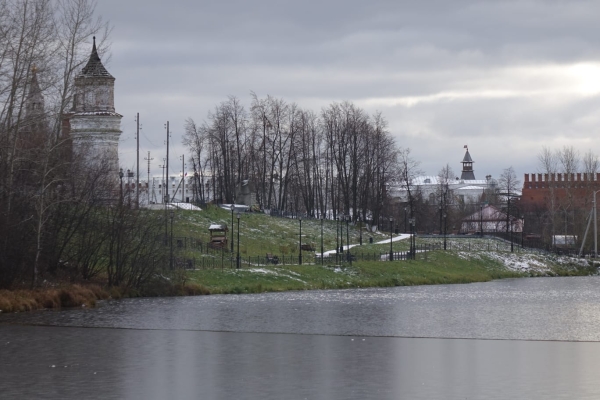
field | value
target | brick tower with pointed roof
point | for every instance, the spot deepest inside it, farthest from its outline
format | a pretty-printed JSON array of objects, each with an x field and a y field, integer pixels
[
  {"x": 35, "y": 122},
  {"x": 467, "y": 171},
  {"x": 95, "y": 127}
]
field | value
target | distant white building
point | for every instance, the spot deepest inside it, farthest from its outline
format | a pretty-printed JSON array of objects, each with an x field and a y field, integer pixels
[
  {"x": 153, "y": 192},
  {"x": 465, "y": 189}
]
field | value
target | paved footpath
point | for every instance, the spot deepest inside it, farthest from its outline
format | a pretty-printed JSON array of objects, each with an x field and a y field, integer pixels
[{"x": 402, "y": 236}]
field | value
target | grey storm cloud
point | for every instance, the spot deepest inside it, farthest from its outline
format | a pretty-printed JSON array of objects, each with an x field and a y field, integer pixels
[{"x": 504, "y": 77}]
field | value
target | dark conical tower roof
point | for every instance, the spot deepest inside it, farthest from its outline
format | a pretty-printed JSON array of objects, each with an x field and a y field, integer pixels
[
  {"x": 35, "y": 117},
  {"x": 467, "y": 157},
  {"x": 467, "y": 170},
  {"x": 34, "y": 106},
  {"x": 94, "y": 67}
]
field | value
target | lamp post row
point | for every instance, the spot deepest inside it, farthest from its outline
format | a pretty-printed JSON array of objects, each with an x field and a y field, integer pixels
[{"x": 339, "y": 230}]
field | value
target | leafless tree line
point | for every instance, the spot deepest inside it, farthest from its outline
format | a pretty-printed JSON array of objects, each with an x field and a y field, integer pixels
[{"x": 339, "y": 161}]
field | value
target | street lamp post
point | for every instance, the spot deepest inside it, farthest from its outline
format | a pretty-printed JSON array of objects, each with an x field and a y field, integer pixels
[
  {"x": 232, "y": 208},
  {"x": 593, "y": 215},
  {"x": 129, "y": 176},
  {"x": 522, "y": 230},
  {"x": 411, "y": 222},
  {"x": 128, "y": 186},
  {"x": 300, "y": 241},
  {"x": 405, "y": 209},
  {"x": 441, "y": 216},
  {"x": 171, "y": 241},
  {"x": 348, "y": 255},
  {"x": 121, "y": 178},
  {"x": 481, "y": 220},
  {"x": 337, "y": 241},
  {"x": 508, "y": 223},
  {"x": 445, "y": 226},
  {"x": 566, "y": 226},
  {"x": 360, "y": 231},
  {"x": 341, "y": 237},
  {"x": 414, "y": 238},
  {"x": 391, "y": 251},
  {"x": 166, "y": 218},
  {"x": 238, "y": 242},
  {"x": 511, "y": 236},
  {"x": 322, "y": 239}
]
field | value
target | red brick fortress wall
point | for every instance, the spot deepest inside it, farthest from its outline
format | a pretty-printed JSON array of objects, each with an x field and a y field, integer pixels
[{"x": 577, "y": 187}]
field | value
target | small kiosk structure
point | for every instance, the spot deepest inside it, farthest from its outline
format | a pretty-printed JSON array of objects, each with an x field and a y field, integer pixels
[{"x": 218, "y": 236}]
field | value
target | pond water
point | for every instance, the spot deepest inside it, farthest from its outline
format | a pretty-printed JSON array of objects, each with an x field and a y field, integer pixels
[{"x": 519, "y": 338}]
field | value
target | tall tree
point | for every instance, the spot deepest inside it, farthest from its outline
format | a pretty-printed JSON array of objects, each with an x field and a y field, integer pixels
[{"x": 508, "y": 185}]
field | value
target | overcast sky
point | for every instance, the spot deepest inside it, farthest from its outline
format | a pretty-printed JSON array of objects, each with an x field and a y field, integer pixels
[{"x": 503, "y": 77}]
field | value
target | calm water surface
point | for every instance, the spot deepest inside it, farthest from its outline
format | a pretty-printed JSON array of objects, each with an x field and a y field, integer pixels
[{"x": 519, "y": 339}]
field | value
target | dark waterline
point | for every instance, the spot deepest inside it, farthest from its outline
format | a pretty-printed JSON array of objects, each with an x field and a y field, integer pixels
[{"x": 176, "y": 348}]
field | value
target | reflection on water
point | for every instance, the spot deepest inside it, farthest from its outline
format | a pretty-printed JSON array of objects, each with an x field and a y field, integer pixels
[
  {"x": 177, "y": 348},
  {"x": 78, "y": 363}
]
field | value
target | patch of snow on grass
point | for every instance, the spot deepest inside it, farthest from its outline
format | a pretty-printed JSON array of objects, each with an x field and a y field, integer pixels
[
  {"x": 511, "y": 261},
  {"x": 520, "y": 262},
  {"x": 280, "y": 273},
  {"x": 581, "y": 262},
  {"x": 261, "y": 271}
]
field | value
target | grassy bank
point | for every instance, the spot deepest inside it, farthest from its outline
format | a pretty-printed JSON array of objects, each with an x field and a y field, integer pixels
[
  {"x": 467, "y": 260},
  {"x": 52, "y": 298},
  {"x": 436, "y": 268}
]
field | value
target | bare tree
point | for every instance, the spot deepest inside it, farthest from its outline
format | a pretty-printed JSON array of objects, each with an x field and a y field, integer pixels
[
  {"x": 445, "y": 195},
  {"x": 569, "y": 161},
  {"x": 75, "y": 23},
  {"x": 409, "y": 170},
  {"x": 548, "y": 164},
  {"x": 508, "y": 185}
]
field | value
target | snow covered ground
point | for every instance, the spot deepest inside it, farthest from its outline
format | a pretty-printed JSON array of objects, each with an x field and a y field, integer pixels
[
  {"x": 520, "y": 261},
  {"x": 526, "y": 262},
  {"x": 186, "y": 206},
  {"x": 402, "y": 236},
  {"x": 174, "y": 206}
]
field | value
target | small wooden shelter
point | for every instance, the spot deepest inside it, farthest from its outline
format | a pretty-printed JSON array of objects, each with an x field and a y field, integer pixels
[{"x": 218, "y": 236}]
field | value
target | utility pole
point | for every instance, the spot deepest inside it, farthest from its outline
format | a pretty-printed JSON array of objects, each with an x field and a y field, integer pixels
[
  {"x": 153, "y": 192},
  {"x": 164, "y": 197},
  {"x": 148, "y": 184},
  {"x": 167, "y": 164},
  {"x": 595, "y": 227},
  {"x": 183, "y": 178},
  {"x": 163, "y": 181},
  {"x": 137, "y": 163}
]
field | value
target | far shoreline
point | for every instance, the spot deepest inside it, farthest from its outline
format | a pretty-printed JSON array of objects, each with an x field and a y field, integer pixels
[{"x": 438, "y": 267}]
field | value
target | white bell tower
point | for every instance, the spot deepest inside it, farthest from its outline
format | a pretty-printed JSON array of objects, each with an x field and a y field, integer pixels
[{"x": 94, "y": 125}]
